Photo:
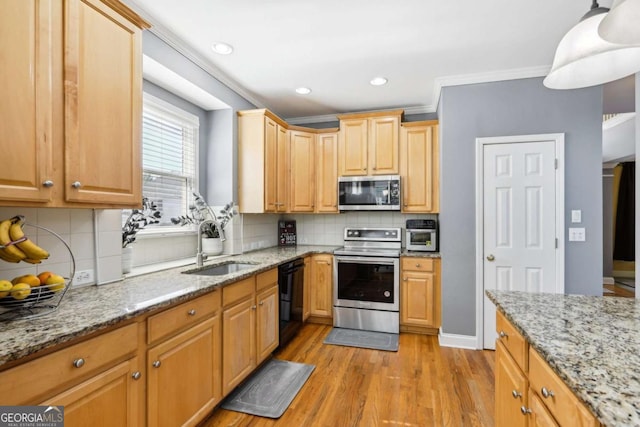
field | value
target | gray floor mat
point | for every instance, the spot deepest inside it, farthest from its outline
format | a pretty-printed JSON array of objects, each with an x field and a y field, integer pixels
[{"x": 363, "y": 339}]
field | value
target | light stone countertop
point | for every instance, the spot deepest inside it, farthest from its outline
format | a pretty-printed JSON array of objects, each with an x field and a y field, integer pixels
[
  {"x": 89, "y": 309},
  {"x": 592, "y": 343},
  {"x": 419, "y": 254}
]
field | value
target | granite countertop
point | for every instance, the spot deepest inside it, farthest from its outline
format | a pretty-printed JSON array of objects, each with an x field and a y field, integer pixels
[
  {"x": 89, "y": 309},
  {"x": 592, "y": 343},
  {"x": 418, "y": 254}
]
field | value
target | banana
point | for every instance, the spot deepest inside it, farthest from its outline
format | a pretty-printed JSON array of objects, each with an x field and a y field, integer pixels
[
  {"x": 32, "y": 261},
  {"x": 31, "y": 251},
  {"x": 6, "y": 257},
  {"x": 5, "y": 240}
]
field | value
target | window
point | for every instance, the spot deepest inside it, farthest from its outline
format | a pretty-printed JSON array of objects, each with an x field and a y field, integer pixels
[{"x": 169, "y": 158}]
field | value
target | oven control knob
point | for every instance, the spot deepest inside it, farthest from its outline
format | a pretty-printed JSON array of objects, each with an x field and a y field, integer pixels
[
  {"x": 355, "y": 233},
  {"x": 386, "y": 233},
  {"x": 387, "y": 294}
]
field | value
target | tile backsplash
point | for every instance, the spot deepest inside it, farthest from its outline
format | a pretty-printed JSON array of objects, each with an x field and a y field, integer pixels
[{"x": 95, "y": 238}]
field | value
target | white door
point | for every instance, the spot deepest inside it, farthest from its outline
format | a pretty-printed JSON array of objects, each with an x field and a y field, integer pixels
[{"x": 519, "y": 221}]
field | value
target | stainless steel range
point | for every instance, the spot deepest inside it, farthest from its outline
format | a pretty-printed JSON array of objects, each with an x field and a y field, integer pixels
[{"x": 367, "y": 280}]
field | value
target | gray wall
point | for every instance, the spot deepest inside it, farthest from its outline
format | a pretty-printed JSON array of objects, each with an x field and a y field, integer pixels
[
  {"x": 607, "y": 222},
  {"x": 516, "y": 107},
  {"x": 218, "y": 135}
]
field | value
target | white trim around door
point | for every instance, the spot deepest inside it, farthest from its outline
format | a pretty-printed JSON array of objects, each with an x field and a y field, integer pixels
[{"x": 558, "y": 139}]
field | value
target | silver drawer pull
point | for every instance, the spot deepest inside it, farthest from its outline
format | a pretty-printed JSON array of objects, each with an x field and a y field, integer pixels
[
  {"x": 156, "y": 364},
  {"x": 76, "y": 184},
  {"x": 136, "y": 375},
  {"x": 417, "y": 265},
  {"x": 503, "y": 334},
  {"x": 191, "y": 312},
  {"x": 48, "y": 183},
  {"x": 78, "y": 363},
  {"x": 547, "y": 393},
  {"x": 515, "y": 394},
  {"x": 525, "y": 410}
]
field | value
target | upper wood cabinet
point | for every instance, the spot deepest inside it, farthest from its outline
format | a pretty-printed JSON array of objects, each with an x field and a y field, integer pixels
[
  {"x": 327, "y": 172},
  {"x": 75, "y": 70},
  {"x": 263, "y": 162},
  {"x": 419, "y": 167},
  {"x": 302, "y": 156},
  {"x": 368, "y": 143}
]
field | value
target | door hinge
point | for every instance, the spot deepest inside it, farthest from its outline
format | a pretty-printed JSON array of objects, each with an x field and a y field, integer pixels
[
  {"x": 556, "y": 243},
  {"x": 555, "y": 163}
]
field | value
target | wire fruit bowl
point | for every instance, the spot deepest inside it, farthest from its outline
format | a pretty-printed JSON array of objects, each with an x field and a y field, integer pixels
[{"x": 42, "y": 299}]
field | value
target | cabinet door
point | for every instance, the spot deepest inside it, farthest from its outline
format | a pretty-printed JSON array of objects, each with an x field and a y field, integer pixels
[
  {"x": 419, "y": 168},
  {"x": 327, "y": 176},
  {"x": 321, "y": 299},
  {"x": 384, "y": 135},
  {"x": 268, "y": 326},
  {"x": 184, "y": 381},
  {"x": 238, "y": 343},
  {"x": 306, "y": 302},
  {"x": 511, "y": 390},
  {"x": 26, "y": 137},
  {"x": 111, "y": 398},
  {"x": 270, "y": 165},
  {"x": 539, "y": 416},
  {"x": 302, "y": 197},
  {"x": 103, "y": 110},
  {"x": 282, "y": 174},
  {"x": 418, "y": 299},
  {"x": 352, "y": 146}
]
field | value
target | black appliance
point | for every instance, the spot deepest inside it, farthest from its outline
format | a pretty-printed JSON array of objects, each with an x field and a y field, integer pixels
[{"x": 291, "y": 285}]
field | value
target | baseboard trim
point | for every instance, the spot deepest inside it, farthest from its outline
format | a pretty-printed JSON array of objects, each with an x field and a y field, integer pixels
[
  {"x": 608, "y": 281},
  {"x": 458, "y": 341}
]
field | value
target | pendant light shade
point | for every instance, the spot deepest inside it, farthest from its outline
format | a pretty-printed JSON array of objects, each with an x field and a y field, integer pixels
[
  {"x": 584, "y": 59},
  {"x": 622, "y": 23}
]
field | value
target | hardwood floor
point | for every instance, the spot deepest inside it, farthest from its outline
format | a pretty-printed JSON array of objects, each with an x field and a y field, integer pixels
[
  {"x": 618, "y": 291},
  {"x": 420, "y": 385}
]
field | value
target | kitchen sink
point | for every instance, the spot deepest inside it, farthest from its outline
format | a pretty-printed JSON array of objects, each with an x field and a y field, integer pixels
[{"x": 221, "y": 269}]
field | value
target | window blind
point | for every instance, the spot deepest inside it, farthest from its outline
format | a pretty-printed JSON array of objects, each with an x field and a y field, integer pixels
[{"x": 169, "y": 146}]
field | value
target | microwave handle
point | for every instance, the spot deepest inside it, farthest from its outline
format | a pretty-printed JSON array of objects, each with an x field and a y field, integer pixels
[{"x": 388, "y": 192}]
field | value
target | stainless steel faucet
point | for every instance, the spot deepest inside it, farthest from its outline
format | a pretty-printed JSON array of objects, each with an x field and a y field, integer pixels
[{"x": 200, "y": 256}]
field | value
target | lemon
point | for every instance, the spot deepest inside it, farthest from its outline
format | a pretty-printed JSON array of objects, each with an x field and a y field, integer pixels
[
  {"x": 20, "y": 291},
  {"x": 5, "y": 287}
]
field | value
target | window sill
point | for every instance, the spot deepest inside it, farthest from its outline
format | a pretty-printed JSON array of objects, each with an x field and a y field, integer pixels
[{"x": 153, "y": 268}]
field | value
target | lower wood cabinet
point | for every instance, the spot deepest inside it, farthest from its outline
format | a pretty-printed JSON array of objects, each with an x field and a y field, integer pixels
[
  {"x": 321, "y": 288},
  {"x": 250, "y": 326},
  {"x": 528, "y": 392},
  {"x": 306, "y": 302},
  {"x": 184, "y": 376},
  {"x": 420, "y": 295}
]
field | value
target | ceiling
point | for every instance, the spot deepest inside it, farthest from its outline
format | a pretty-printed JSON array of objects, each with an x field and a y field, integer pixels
[{"x": 335, "y": 47}]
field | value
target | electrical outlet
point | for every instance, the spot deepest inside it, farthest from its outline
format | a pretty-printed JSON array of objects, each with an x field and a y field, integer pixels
[{"x": 83, "y": 277}]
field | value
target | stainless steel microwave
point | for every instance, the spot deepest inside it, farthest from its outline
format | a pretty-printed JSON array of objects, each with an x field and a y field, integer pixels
[{"x": 369, "y": 193}]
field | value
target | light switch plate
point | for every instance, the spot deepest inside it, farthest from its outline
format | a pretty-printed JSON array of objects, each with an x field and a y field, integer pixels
[
  {"x": 577, "y": 234},
  {"x": 576, "y": 216}
]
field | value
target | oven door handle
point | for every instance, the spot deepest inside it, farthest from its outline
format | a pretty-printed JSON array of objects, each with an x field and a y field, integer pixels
[{"x": 367, "y": 260}]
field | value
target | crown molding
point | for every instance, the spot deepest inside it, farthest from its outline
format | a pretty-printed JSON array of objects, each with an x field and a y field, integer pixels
[
  {"x": 198, "y": 59},
  {"x": 493, "y": 76}
]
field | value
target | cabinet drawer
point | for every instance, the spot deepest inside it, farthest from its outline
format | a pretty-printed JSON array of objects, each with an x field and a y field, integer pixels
[
  {"x": 181, "y": 316},
  {"x": 417, "y": 264},
  {"x": 512, "y": 340},
  {"x": 238, "y": 291},
  {"x": 35, "y": 380},
  {"x": 266, "y": 279},
  {"x": 560, "y": 400}
]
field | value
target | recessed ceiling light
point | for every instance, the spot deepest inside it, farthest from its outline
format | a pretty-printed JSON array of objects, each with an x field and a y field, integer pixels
[
  {"x": 378, "y": 81},
  {"x": 303, "y": 91},
  {"x": 222, "y": 48}
]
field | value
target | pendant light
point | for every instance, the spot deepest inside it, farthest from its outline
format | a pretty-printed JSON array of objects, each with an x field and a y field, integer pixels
[
  {"x": 584, "y": 59},
  {"x": 622, "y": 23}
]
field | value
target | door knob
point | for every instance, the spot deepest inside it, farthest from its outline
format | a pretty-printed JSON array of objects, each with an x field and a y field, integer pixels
[{"x": 491, "y": 258}]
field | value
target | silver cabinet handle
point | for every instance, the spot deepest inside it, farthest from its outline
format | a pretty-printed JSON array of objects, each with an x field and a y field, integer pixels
[
  {"x": 491, "y": 258},
  {"x": 48, "y": 183},
  {"x": 404, "y": 279},
  {"x": 136, "y": 375},
  {"x": 525, "y": 410},
  {"x": 78, "y": 363},
  {"x": 516, "y": 394},
  {"x": 417, "y": 265},
  {"x": 156, "y": 364},
  {"x": 261, "y": 303},
  {"x": 546, "y": 393},
  {"x": 503, "y": 334},
  {"x": 76, "y": 184},
  {"x": 191, "y": 312},
  {"x": 253, "y": 307}
]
